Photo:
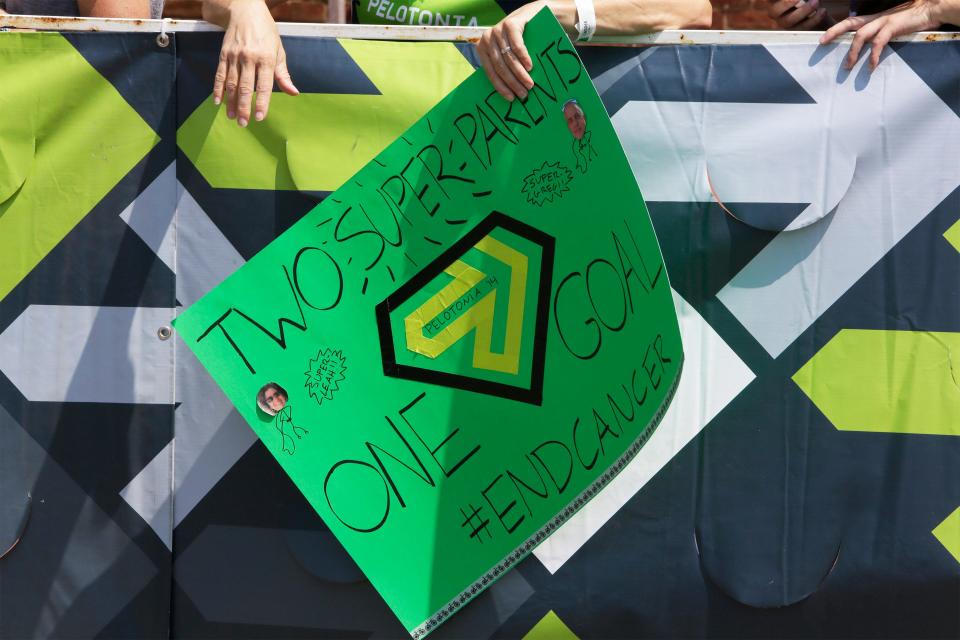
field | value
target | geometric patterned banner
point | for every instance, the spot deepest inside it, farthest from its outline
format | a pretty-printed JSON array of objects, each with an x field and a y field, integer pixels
[{"x": 803, "y": 482}]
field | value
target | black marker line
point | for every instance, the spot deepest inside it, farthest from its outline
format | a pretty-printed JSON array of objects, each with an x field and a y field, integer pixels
[
  {"x": 387, "y": 355},
  {"x": 423, "y": 394},
  {"x": 236, "y": 348},
  {"x": 215, "y": 323}
]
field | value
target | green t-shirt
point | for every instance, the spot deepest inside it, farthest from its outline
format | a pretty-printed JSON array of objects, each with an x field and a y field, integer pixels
[{"x": 435, "y": 13}]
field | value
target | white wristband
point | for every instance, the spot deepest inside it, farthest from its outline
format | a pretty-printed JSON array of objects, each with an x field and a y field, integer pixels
[{"x": 586, "y": 19}]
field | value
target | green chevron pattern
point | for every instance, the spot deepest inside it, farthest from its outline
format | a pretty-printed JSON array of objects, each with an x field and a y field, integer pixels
[
  {"x": 953, "y": 235},
  {"x": 887, "y": 381},
  {"x": 297, "y": 149},
  {"x": 550, "y": 627},
  {"x": 73, "y": 138},
  {"x": 948, "y": 533}
]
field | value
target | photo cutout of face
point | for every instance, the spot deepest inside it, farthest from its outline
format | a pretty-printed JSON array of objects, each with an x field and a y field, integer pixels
[
  {"x": 576, "y": 120},
  {"x": 271, "y": 398}
]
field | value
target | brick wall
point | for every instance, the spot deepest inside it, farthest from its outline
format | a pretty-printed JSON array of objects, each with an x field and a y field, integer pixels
[
  {"x": 741, "y": 14},
  {"x": 727, "y": 14},
  {"x": 289, "y": 11}
]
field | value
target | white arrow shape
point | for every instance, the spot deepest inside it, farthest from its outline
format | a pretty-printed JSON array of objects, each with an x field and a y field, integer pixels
[
  {"x": 209, "y": 435},
  {"x": 749, "y": 152},
  {"x": 204, "y": 255},
  {"x": 868, "y": 157},
  {"x": 171, "y": 222},
  {"x": 151, "y": 215},
  {"x": 209, "y": 438},
  {"x": 55, "y": 353}
]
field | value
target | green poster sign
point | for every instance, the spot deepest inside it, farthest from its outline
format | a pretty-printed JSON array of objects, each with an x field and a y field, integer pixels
[{"x": 464, "y": 343}]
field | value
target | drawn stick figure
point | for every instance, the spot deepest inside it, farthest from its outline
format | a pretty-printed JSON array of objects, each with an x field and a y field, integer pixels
[{"x": 272, "y": 400}]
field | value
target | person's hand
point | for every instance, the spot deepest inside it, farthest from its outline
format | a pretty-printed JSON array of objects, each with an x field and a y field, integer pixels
[
  {"x": 797, "y": 14},
  {"x": 503, "y": 55},
  {"x": 880, "y": 28},
  {"x": 251, "y": 58}
]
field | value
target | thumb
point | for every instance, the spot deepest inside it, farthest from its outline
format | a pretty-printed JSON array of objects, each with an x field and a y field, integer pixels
[{"x": 282, "y": 74}]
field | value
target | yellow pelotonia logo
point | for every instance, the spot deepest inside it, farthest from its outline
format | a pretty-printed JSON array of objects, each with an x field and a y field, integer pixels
[
  {"x": 440, "y": 323},
  {"x": 475, "y": 317}
]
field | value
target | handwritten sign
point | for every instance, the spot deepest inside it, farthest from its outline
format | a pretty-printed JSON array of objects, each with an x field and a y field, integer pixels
[{"x": 464, "y": 343}]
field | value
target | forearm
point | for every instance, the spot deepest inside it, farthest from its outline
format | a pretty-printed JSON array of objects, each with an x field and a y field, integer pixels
[
  {"x": 114, "y": 8},
  {"x": 947, "y": 11},
  {"x": 625, "y": 17},
  {"x": 218, "y": 11}
]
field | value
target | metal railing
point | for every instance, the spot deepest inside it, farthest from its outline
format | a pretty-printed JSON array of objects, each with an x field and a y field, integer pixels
[{"x": 446, "y": 34}]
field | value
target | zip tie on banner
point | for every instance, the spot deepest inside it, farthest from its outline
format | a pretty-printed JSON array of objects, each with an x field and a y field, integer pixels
[{"x": 163, "y": 40}]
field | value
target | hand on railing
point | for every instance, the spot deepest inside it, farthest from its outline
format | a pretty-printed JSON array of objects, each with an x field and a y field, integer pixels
[
  {"x": 251, "y": 58},
  {"x": 880, "y": 28}
]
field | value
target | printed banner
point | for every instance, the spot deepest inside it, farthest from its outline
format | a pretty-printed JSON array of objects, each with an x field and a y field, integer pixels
[
  {"x": 457, "y": 349},
  {"x": 86, "y": 387},
  {"x": 802, "y": 483}
]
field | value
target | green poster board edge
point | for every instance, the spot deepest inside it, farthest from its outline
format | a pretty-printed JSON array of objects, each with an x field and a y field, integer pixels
[{"x": 524, "y": 549}]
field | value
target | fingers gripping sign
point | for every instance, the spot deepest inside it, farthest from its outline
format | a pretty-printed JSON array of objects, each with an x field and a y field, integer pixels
[
  {"x": 515, "y": 55},
  {"x": 506, "y": 66},
  {"x": 505, "y": 58}
]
